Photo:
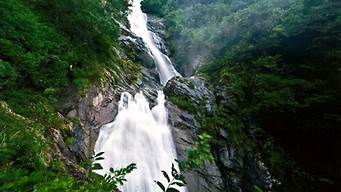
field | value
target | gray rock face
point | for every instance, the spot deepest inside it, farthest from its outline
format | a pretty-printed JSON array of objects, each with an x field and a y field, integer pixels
[
  {"x": 64, "y": 154},
  {"x": 185, "y": 132},
  {"x": 194, "y": 89},
  {"x": 231, "y": 170},
  {"x": 156, "y": 25},
  {"x": 135, "y": 45},
  {"x": 96, "y": 109},
  {"x": 185, "y": 128}
]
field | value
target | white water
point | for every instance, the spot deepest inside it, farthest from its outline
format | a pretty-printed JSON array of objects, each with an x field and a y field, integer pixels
[
  {"x": 138, "y": 25},
  {"x": 139, "y": 134}
]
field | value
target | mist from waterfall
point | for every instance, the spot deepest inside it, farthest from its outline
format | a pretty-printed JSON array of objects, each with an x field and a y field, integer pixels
[{"x": 139, "y": 134}]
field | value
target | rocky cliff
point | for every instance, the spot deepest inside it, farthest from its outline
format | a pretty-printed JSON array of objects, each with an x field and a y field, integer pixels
[{"x": 228, "y": 172}]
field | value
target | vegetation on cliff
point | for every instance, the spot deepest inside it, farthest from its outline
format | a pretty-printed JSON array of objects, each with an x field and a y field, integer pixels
[
  {"x": 46, "y": 47},
  {"x": 280, "y": 60}
]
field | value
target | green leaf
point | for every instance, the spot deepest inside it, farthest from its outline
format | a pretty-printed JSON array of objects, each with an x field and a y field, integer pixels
[
  {"x": 182, "y": 179},
  {"x": 166, "y": 175},
  {"x": 172, "y": 190},
  {"x": 99, "y": 154},
  {"x": 174, "y": 171},
  {"x": 160, "y": 185},
  {"x": 99, "y": 158},
  {"x": 97, "y": 166},
  {"x": 257, "y": 188},
  {"x": 180, "y": 184}
]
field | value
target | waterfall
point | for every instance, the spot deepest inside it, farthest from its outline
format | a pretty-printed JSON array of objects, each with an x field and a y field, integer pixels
[
  {"x": 138, "y": 25},
  {"x": 139, "y": 134}
]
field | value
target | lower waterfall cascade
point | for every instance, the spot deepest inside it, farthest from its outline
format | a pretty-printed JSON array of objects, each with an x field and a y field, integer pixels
[{"x": 138, "y": 135}]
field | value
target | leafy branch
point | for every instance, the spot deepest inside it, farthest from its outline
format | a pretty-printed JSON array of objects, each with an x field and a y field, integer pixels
[
  {"x": 199, "y": 154},
  {"x": 114, "y": 178},
  {"x": 177, "y": 179}
]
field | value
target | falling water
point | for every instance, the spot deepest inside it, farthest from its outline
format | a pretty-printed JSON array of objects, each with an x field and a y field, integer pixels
[
  {"x": 138, "y": 25},
  {"x": 139, "y": 134}
]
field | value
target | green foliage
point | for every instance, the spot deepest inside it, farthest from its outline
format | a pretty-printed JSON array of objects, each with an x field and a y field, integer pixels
[
  {"x": 184, "y": 103},
  {"x": 35, "y": 107},
  {"x": 153, "y": 6},
  {"x": 25, "y": 164},
  {"x": 262, "y": 86},
  {"x": 177, "y": 179},
  {"x": 23, "y": 160},
  {"x": 258, "y": 189},
  {"x": 85, "y": 22},
  {"x": 299, "y": 37},
  {"x": 34, "y": 50},
  {"x": 117, "y": 177},
  {"x": 46, "y": 46},
  {"x": 8, "y": 75},
  {"x": 114, "y": 178},
  {"x": 278, "y": 59},
  {"x": 198, "y": 155},
  {"x": 225, "y": 119}
]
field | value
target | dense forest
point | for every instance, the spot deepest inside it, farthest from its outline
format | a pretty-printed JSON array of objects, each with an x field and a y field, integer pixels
[
  {"x": 46, "y": 47},
  {"x": 278, "y": 60}
]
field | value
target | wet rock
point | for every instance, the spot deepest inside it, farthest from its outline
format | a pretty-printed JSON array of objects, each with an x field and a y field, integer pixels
[
  {"x": 185, "y": 130},
  {"x": 72, "y": 114},
  {"x": 97, "y": 108},
  {"x": 100, "y": 106},
  {"x": 135, "y": 45},
  {"x": 258, "y": 174},
  {"x": 232, "y": 170},
  {"x": 133, "y": 42},
  {"x": 230, "y": 158},
  {"x": 194, "y": 89},
  {"x": 63, "y": 153},
  {"x": 184, "y": 127},
  {"x": 156, "y": 25},
  {"x": 241, "y": 172}
]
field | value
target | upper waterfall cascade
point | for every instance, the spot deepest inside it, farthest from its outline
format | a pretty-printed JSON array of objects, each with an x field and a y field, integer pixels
[
  {"x": 138, "y": 25},
  {"x": 139, "y": 134}
]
